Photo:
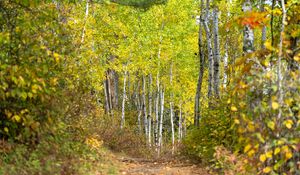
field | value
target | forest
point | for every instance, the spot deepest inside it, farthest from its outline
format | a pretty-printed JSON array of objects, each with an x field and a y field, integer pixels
[{"x": 149, "y": 87}]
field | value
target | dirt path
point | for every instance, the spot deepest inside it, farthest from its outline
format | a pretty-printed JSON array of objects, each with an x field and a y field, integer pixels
[{"x": 131, "y": 166}]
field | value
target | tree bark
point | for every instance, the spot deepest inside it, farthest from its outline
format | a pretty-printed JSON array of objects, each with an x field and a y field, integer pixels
[
  {"x": 171, "y": 110},
  {"x": 157, "y": 111},
  {"x": 161, "y": 120},
  {"x": 248, "y": 41},
  {"x": 107, "y": 109},
  {"x": 264, "y": 29},
  {"x": 201, "y": 71},
  {"x": 85, "y": 20},
  {"x": 209, "y": 49},
  {"x": 150, "y": 109},
  {"x": 280, "y": 56},
  {"x": 216, "y": 73},
  {"x": 180, "y": 124},
  {"x": 123, "y": 101},
  {"x": 145, "y": 108}
]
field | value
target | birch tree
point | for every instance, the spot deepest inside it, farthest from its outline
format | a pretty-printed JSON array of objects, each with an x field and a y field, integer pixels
[
  {"x": 209, "y": 49},
  {"x": 216, "y": 74},
  {"x": 201, "y": 69}
]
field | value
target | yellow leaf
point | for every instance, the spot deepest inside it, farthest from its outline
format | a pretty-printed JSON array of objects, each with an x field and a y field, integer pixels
[
  {"x": 236, "y": 121},
  {"x": 288, "y": 123},
  {"x": 17, "y": 118},
  {"x": 262, "y": 158},
  {"x": 56, "y": 56},
  {"x": 267, "y": 169},
  {"x": 276, "y": 151},
  {"x": 271, "y": 125},
  {"x": 268, "y": 45},
  {"x": 251, "y": 153},
  {"x": 275, "y": 105},
  {"x": 6, "y": 129},
  {"x": 233, "y": 109},
  {"x": 269, "y": 154},
  {"x": 247, "y": 148},
  {"x": 297, "y": 58},
  {"x": 288, "y": 155}
]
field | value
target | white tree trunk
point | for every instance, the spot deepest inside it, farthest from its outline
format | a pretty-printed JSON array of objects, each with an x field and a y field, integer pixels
[
  {"x": 123, "y": 101},
  {"x": 248, "y": 46},
  {"x": 209, "y": 50},
  {"x": 157, "y": 111},
  {"x": 264, "y": 29},
  {"x": 139, "y": 106},
  {"x": 145, "y": 114},
  {"x": 201, "y": 70},
  {"x": 180, "y": 124},
  {"x": 280, "y": 55},
  {"x": 171, "y": 110},
  {"x": 216, "y": 73},
  {"x": 161, "y": 120},
  {"x": 85, "y": 20},
  {"x": 225, "y": 63},
  {"x": 150, "y": 110}
]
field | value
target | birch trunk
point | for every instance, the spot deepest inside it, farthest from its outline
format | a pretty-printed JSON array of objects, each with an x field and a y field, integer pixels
[
  {"x": 139, "y": 106},
  {"x": 209, "y": 49},
  {"x": 180, "y": 124},
  {"x": 225, "y": 62},
  {"x": 248, "y": 41},
  {"x": 157, "y": 111},
  {"x": 150, "y": 110},
  {"x": 107, "y": 110},
  {"x": 264, "y": 29},
  {"x": 85, "y": 20},
  {"x": 171, "y": 110},
  {"x": 161, "y": 120},
  {"x": 216, "y": 61},
  {"x": 123, "y": 101},
  {"x": 145, "y": 108},
  {"x": 201, "y": 71},
  {"x": 280, "y": 56}
]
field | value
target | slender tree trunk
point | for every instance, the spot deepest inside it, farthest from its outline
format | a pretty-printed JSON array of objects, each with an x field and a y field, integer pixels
[
  {"x": 171, "y": 110},
  {"x": 157, "y": 140},
  {"x": 225, "y": 62},
  {"x": 123, "y": 101},
  {"x": 216, "y": 73},
  {"x": 85, "y": 20},
  {"x": 161, "y": 120},
  {"x": 225, "y": 59},
  {"x": 107, "y": 110},
  {"x": 108, "y": 87},
  {"x": 201, "y": 71},
  {"x": 145, "y": 108},
  {"x": 248, "y": 46},
  {"x": 184, "y": 125},
  {"x": 139, "y": 106},
  {"x": 116, "y": 90},
  {"x": 264, "y": 29},
  {"x": 209, "y": 49},
  {"x": 150, "y": 109},
  {"x": 129, "y": 96},
  {"x": 280, "y": 56},
  {"x": 180, "y": 124},
  {"x": 157, "y": 111}
]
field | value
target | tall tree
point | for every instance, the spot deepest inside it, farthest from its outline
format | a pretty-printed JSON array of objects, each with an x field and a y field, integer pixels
[{"x": 201, "y": 69}]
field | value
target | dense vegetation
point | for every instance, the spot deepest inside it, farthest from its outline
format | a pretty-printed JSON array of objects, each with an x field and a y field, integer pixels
[{"x": 217, "y": 81}]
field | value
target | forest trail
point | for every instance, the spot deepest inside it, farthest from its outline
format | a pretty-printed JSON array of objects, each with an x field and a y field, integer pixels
[{"x": 136, "y": 166}]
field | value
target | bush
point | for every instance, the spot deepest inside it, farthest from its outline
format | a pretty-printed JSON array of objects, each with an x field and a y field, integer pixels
[{"x": 214, "y": 130}]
